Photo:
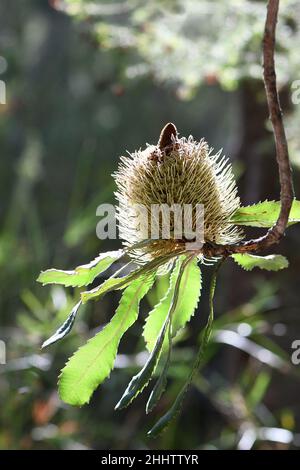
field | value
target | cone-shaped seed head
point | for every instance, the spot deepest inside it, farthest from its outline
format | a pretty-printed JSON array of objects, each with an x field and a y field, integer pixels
[{"x": 175, "y": 171}]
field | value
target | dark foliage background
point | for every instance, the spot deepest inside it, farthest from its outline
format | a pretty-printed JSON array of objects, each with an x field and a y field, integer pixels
[{"x": 71, "y": 111}]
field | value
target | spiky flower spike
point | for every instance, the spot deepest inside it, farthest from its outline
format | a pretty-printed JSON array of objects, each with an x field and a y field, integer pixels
[{"x": 176, "y": 171}]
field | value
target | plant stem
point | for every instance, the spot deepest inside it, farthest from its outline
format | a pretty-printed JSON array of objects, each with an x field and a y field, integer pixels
[{"x": 274, "y": 234}]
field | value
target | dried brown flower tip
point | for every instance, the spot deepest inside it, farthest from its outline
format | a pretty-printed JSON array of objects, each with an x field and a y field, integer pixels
[{"x": 167, "y": 136}]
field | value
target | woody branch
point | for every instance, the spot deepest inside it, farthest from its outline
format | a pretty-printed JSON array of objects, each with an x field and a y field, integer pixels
[{"x": 274, "y": 234}]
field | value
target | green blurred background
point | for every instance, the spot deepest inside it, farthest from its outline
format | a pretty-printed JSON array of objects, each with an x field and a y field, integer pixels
[{"x": 86, "y": 81}]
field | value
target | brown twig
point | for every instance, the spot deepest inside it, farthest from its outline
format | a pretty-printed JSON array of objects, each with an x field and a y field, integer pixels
[{"x": 274, "y": 234}]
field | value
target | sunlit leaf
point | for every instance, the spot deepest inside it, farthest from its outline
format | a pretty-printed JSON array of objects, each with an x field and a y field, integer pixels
[
  {"x": 189, "y": 293},
  {"x": 166, "y": 419},
  {"x": 93, "y": 362},
  {"x": 270, "y": 262},
  {"x": 85, "y": 274},
  {"x": 114, "y": 283},
  {"x": 82, "y": 275},
  {"x": 264, "y": 214},
  {"x": 141, "y": 380}
]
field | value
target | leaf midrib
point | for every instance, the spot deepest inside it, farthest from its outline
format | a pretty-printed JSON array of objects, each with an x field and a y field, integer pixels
[{"x": 110, "y": 339}]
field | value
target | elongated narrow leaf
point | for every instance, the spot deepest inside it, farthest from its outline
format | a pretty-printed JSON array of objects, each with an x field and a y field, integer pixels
[
  {"x": 85, "y": 274},
  {"x": 169, "y": 416},
  {"x": 114, "y": 283},
  {"x": 270, "y": 262},
  {"x": 166, "y": 419},
  {"x": 189, "y": 294},
  {"x": 82, "y": 275},
  {"x": 93, "y": 362},
  {"x": 64, "y": 329},
  {"x": 264, "y": 214},
  {"x": 141, "y": 380},
  {"x": 160, "y": 385}
]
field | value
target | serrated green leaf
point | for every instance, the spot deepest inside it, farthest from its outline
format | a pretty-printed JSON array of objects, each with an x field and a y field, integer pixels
[
  {"x": 93, "y": 362},
  {"x": 85, "y": 274},
  {"x": 114, "y": 283},
  {"x": 160, "y": 385},
  {"x": 82, "y": 275},
  {"x": 141, "y": 380},
  {"x": 166, "y": 419},
  {"x": 264, "y": 214},
  {"x": 190, "y": 288},
  {"x": 270, "y": 262},
  {"x": 64, "y": 329}
]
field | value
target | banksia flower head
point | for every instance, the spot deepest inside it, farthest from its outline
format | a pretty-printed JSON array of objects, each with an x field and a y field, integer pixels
[{"x": 175, "y": 171}]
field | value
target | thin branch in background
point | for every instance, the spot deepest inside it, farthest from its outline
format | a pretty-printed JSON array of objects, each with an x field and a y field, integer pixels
[
  {"x": 275, "y": 234},
  {"x": 282, "y": 154}
]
